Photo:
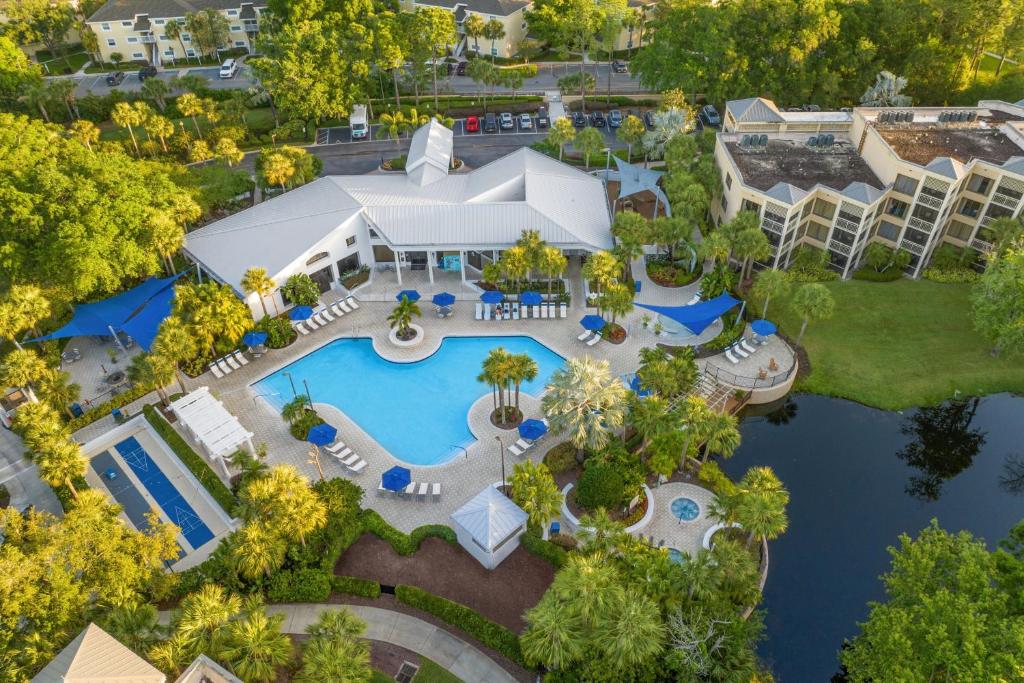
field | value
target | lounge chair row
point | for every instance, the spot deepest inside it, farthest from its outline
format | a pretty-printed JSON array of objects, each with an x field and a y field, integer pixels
[
  {"x": 227, "y": 364},
  {"x": 590, "y": 338},
  {"x": 521, "y": 446},
  {"x": 418, "y": 489},
  {"x": 322, "y": 315},
  {"x": 741, "y": 349},
  {"x": 343, "y": 454},
  {"x": 513, "y": 311}
]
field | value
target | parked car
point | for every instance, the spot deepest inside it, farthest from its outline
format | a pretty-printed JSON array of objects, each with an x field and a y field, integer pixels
[
  {"x": 115, "y": 78},
  {"x": 649, "y": 119},
  {"x": 460, "y": 70},
  {"x": 147, "y": 71},
  {"x": 709, "y": 116},
  {"x": 542, "y": 118},
  {"x": 619, "y": 66},
  {"x": 810, "y": 107},
  {"x": 507, "y": 122},
  {"x": 525, "y": 122},
  {"x": 597, "y": 119},
  {"x": 228, "y": 69},
  {"x": 472, "y": 124},
  {"x": 614, "y": 118},
  {"x": 579, "y": 120},
  {"x": 490, "y": 123}
]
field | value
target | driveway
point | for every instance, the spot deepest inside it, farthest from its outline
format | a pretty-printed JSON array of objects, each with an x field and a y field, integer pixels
[
  {"x": 20, "y": 478},
  {"x": 96, "y": 84}
]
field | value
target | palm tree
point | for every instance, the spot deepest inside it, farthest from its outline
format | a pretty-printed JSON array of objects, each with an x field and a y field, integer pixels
[
  {"x": 1004, "y": 231},
  {"x": 561, "y": 133},
  {"x": 136, "y": 625},
  {"x": 721, "y": 435},
  {"x": 60, "y": 461},
  {"x": 601, "y": 268},
  {"x": 515, "y": 263},
  {"x": 651, "y": 416},
  {"x": 191, "y": 105},
  {"x": 770, "y": 284},
  {"x": 37, "y": 94},
  {"x": 144, "y": 372},
  {"x": 342, "y": 660},
  {"x": 715, "y": 247},
  {"x": 585, "y": 399},
  {"x": 552, "y": 262},
  {"x": 599, "y": 533},
  {"x": 812, "y": 301},
  {"x": 401, "y": 316},
  {"x": 85, "y": 132},
  {"x": 473, "y": 27},
  {"x": 258, "y": 550},
  {"x": 174, "y": 343},
  {"x": 521, "y": 368},
  {"x": 761, "y": 509},
  {"x": 283, "y": 501},
  {"x": 697, "y": 417},
  {"x": 23, "y": 368},
  {"x": 294, "y": 409},
  {"x": 493, "y": 30},
  {"x": 552, "y": 638},
  {"x": 633, "y": 635},
  {"x": 750, "y": 245},
  {"x": 535, "y": 491},
  {"x": 495, "y": 372},
  {"x": 257, "y": 281},
  {"x": 127, "y": 116},
  {"x": 59, "y": 391},
  {"x": 254, "y": 646},
  {"x": 156, "y": 90},
  {"x": 203, "y": 615},
  {"x": 701, "y": 574},
  {"x": 173, "y": 30}
]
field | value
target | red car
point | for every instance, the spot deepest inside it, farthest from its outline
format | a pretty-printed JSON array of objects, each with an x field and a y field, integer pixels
[{"x": 472, "y": 124}]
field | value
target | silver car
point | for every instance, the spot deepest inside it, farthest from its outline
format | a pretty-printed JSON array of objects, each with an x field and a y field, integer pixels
[
  {"x": 525, "y": 122},
  {"x": 506, "y": 121}
]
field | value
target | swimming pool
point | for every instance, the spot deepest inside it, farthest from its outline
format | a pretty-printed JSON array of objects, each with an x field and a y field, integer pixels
[{"x": 417, "y": 411}]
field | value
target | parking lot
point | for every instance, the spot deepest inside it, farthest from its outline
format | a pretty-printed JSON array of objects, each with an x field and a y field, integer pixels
[{"x": 97, "y": 83}]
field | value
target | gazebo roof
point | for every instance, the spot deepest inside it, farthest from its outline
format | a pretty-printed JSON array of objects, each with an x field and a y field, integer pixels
[
  {"x": 95, "y": 656},
  {"x": 489, "y": 517},
  {"x": 634, "y": 179}
]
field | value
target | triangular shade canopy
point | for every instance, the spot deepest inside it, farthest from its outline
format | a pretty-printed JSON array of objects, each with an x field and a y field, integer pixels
[
  {"x": 697, "y": 317},
  {"x": 96, "y": 656},
  {"x": 490, "y": 518},
  {"x": 634, "y": 179}
]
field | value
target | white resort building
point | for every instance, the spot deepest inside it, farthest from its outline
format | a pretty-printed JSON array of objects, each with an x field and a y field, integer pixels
[
  {"x": 425, "y": 219},
  {"x": 910, "y": 178}
]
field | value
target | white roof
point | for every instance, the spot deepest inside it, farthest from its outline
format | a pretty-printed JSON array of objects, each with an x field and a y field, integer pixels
[
  {"x": 205, "y": 670},
  {"x": 490, "y": 517},
  {"x": 756, "y": 109},
  {"x": 95, "y": 656},
  {"x": 816, "y": 116},
  {"x": 209, "y": 421},
  {"x": 423, "y": 208}
]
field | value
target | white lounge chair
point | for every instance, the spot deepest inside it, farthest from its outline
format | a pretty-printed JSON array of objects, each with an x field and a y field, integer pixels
[
  {"x": 231, "y": 362},
  {"x": 322, "y": 319},
  {"x": 553, "y": 313},
  {"x": 487, "y": 312},
  {"x": 732, "y": 358},
  {"x": 301, "y": 328},
  {"x": 739, "y": 351},
  {"x": 344, "y": 454},
  {"x": 523, "y": 444},
  {"x": 595, "y": 340},
  {"x": 411, "y": 488},
  {"x": 216, "y": 372},
  {"x": 352, "y": 302},
  {"x": 311, "y": 323},
  {"x": 436, "y": 490},
  {"x": 747, "y": 347},
  {"x": 583, "y": 337},
  {"x": 479, "y": 312},
  {"x": 694, "y": 300},
  {"x": 240, "y": 357},
  {"x": 515, "y": 311},
  {"x": 336, "y": 446},
  {"x": 358, "y": 467},
  {"x": 563, "y": 310},
  {"x": 337, "y": 309},
  {"x": 424, "y": 487},
  {"x": 536, "y": 311},
  {"x": 224, "y": 367},
  {"x": 515, "y": 450},
  {"x": 326, "y": 313},
  {"x": 341, "y": 303},
  {"x": 544, "y": 311}
]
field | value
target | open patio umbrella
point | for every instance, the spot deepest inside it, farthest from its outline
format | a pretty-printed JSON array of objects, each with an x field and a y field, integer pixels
[
  {"x": 254, "y": 338},
  {"x": 634, "y": 384},
  {"x": 593, "y": 322},
  {"x": 764, "y": 328},
  {"x": 443, "y": 299},
  {"x": 532, "y": 429},
  {"x": 530, "y": 298},
  {"x": 396, "y": 479},
  {"x": 300, "y": 313},
  {"x": 410, "y": 294},
  {"x": 322, "y": 434},
  {"x": 492, "y": 296}
]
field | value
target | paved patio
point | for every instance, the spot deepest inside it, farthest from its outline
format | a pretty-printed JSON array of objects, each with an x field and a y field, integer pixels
[
  {"x": 668, "y": 530},
  {"x": 383, "y": 285},
  {"x": 748, "y": 371},
  {"x": 91, "y": 370}
]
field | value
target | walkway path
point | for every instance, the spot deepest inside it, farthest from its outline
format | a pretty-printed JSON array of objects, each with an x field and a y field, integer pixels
[{"x": 454, "y": 654}]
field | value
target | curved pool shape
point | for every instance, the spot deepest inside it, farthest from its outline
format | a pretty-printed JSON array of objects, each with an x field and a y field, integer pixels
[
  {"x": 686, "y": 509},
  {"x": 417, "y": 411}
]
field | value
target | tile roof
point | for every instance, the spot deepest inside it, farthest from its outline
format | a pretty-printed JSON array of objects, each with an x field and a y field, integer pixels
[
  {"x": 754, "y": 109},
  {"x": 490, "y": 517},
  {"x": 499, "y": 8},
  {"x": 123, "y": 10}
]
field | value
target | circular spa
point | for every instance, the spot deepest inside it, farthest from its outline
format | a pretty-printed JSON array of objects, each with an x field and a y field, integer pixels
[{"x": 685, "y": 509}]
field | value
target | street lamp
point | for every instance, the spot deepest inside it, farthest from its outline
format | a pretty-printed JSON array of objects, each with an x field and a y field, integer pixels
[
  {"x": 292, "y": 381},
  {"x": 308, "y": 395},
  {"x": 501, "y": 452}
]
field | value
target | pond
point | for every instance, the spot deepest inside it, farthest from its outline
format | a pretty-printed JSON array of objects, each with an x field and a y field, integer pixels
[{"x": 859, "y": 477}]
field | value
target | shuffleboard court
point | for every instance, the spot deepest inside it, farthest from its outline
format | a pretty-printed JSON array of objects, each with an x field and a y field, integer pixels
[{"x": 164, "y": 493}]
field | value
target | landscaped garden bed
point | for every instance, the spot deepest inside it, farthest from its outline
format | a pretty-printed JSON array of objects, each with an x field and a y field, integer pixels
[
  {"x": 352, "y": 280},
  {"x": 668, "y": 274},
  {"x": 614, "y": 333},
  {"x": 508, "y": 418}
]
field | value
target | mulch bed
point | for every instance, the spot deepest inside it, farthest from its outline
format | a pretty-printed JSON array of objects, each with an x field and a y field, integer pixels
[{"x": 514, "y": 418}]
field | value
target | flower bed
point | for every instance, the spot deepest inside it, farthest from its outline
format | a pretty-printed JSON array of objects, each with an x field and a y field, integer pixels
[
  {"x": 614, "y": 333},
  {"x": 667, "y": 274}
]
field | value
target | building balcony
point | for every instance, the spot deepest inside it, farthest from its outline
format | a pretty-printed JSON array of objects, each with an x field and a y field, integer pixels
[
  {"x": 981, "y": 245},
  {"x": 839, "y": 247},
  {"x": 773, "y": 226},
  {"x": 848, "y": 226},
  {"x": 1005, "y": 201},
  {"x": 929, "y": 201},
  {"x": 920, "y": 224},
  {"x": 912, "y": 247},
  {"x": 148, "y": 39}
]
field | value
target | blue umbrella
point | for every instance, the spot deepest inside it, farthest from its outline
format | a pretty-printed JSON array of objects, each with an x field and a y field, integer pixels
[
  {"x": 492, "y": 296},
  {"x": 444, "y": 299},
  {"x": 634, "y": 384},
  {"x": 410, "y": 294},
  {"x": 300, "y": 313},
  {"x": 763, "y": 328},
  {"x": 593, "y": 322},
  {"x": 254, "y": 338},
  {"x": 530, "y": 298},
  {"x": 396, "y": 479},
  {"x": 322, "y": 434},
  {"x": 532, "y": 429}
]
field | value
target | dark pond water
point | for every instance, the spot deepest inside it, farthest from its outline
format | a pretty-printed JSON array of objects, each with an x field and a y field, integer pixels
[{"x": 859, "y": 477}]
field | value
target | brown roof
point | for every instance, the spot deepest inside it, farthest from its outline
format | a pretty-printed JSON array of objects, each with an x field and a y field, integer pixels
[
  {"x": 791, "y": 161},
  {"x": 922, "y": 144}
]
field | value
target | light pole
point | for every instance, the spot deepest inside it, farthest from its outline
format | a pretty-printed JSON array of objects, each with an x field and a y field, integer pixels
[
  {"x": 292, "y": 382},
  {"x": 308, "y": 395},
  {"x": 501, "y": 452}
]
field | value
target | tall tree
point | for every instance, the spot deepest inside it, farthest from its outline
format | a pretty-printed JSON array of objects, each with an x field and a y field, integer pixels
[
  {"x": 437, "y": 27},
  {"x": 335, "y": 651},
  {"x": 770, "y": 284},
  {"x": 493, "y": 31},
  {"x": 473, "y": 27},
  {"x": 812, "y": 301},
  {"x": 212, "y": 314},
  {"x": 534, "y": 490},
  {"x": 256, "y": 281},
  {"x": 631, "y": 133},
  {"x": 571, "y": 26},
  {"x": 283, "y": 501},
  {"x": 210, "y": 30},
  {"x": 561, "y": 133},
  {"x": 997, "y": 301},
  {"x": 586, "y": 400},
  {"x": 41, "y": 21},
  {"x": 589, "y": 142}
]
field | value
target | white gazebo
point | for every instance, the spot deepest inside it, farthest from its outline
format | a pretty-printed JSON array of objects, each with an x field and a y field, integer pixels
[
  {"x": 489, "y": 526},
  {"x": 211, "y": 425}
]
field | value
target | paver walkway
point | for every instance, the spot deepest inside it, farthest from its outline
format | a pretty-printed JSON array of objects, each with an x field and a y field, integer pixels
[{"x": 454, "y": 654}]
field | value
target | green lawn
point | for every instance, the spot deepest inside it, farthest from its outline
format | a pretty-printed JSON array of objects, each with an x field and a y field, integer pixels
[
  {"x": 899, "y": 344},
  {"x": 987, "y": 67},
  {"x": 432, "y": 672}
]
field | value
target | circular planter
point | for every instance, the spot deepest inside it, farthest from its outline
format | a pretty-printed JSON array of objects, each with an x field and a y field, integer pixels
[
  {"x": 575, "y": 523},
  {"x": 408, "y": 343},
  {"x": 706, "y": 541}
]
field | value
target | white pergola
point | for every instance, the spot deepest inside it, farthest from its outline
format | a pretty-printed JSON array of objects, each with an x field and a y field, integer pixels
[{"x": 211, "y": 425}]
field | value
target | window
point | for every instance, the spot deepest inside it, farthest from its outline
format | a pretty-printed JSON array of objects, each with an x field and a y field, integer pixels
[
  {"x": 186, "y": 37},
  {"x": 162, "y": 37},
  {"x": 748, "y": 205},
  {"x": 348, "y": 264},
  {"x": 897, "y": 208},
  {"x": 190, "y": 52},
  {"x": 818, "y": 232},
  {"x": 127, "y": 24},
  {"x": 232, "y": 13},
  {"x": 168, "y": 53},
  {"x": 159, "y": 22},
  {"x": 494, "y": 52},
  {"x": 905, "y": 185},
  {"x": 104, "y": 26},
  {"x": 924, "y": 213},
  {"x": 824, "y": 209},
  {"x": 350, "y": 241},
  {"x": 111, "y": 42},
  {"x": 725, "y": 203},
  {"x": 239, "y": 43},
  {"x": 979, "y": 184},
  {"x": 236, "y": 28},
  {"x": 728, "y": 181},
  {"x": 916, "y": 236},
  {"x": 969, "y": 207},
  {"x": 132, "y": 39},
  {"x": 959, "y": 230},
  {"x": 138, "y": 55}
]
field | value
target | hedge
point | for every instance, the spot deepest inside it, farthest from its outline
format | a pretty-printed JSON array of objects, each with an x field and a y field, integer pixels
[
  {"x": 951, "y": 275},
  {"x": 301, "y": 585},
  {"x": 103, "y": 409},
  {"x": 364, "y": 588},
  {"x": 492, "y": 635},
  {"x": 404, "y": 544},
  {"x": 206, "y": 476},
  {"x": 869, "y": 274},
  {"x": 546, "y": 550}
]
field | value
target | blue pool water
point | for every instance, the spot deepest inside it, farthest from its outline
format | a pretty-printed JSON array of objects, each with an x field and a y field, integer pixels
[
  {"x": 417, "y": 411},
  {"x": 675, "y": 555},
  {"x": 685, "y": 509}
]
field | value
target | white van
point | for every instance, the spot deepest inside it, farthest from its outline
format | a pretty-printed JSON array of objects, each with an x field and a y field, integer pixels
[
  {"x": 228, "y": 69},
  {"x": 358, "y": 122}
]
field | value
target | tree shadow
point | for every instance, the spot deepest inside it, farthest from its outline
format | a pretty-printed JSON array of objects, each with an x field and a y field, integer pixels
[
  {"x": 944, "y": 445},
  {"x": 1012, "y": 478}
]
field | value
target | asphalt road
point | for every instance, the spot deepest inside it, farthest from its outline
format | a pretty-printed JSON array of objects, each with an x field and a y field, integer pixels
[{"x": 96, "y": 84}]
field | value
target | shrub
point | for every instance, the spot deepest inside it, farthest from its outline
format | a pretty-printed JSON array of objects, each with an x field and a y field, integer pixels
[
  {"x": 546, "y": 550},
  {"x": 602, "y": 485},
  {"x": 808, "y": 265},
  {"x": 561, "y": 458},
  {"x": 206, "y": 476},
  {"x": 300, "y": 585},
  {"x": 869, "y": 274},
  {"x": 301, "y": 290},
  {"x": 566, "y": 541},
  {"x": 956, "y": 275},
  {"x": 103, "y": 409},
  {"x": 396, "y": 164},
  {"x": 483, "y": 629},
  {"x": 404, "y": 544},
  {"x": 352, "y": 585},
  {"x": 279, "y": 331},
  {"x": 300, "y": 428},
  {"x": 727, "y": 336}
]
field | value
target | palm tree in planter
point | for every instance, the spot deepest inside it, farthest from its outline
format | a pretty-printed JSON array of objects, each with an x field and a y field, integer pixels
[
  {"x": 400, "y": 318},
  {"x": 552, "y": 262},
  {"x": 761, "y": 504},
  {"x": 521, "y": 368},
  {"x": 495, "y": 372},
  {"x": 720, "y": 435},
  {"x": 585, "y": 399},
  {"x": 294, "y": 409},
  {"x": 535, "y": 491}
]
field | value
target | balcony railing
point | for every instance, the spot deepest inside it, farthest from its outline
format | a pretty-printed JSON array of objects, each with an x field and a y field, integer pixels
[
  {"x": 986, "y": 220},
  {"x": 848, "y": 226},
  {"x": 929, "y": 201},
  {"x": 912, "y": 247},
  {"x": 772, "y": 226},
  {"x": 981, "y": 245},
  {"x": 843, "y": 249},
  {"x": 1005, "y": 201},
  {"x": 148, "y": 39},
  {"x": 920, "y": 224}
]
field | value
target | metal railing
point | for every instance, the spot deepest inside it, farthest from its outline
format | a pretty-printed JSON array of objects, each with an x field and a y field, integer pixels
[
  {"x": 929, "y": 201},
  {"x": 912, "y": 247},
  {"x": 843, "y": 249},
  {"x": 1005, "y": 201},
  {"x": 721, "y": 374},
  {"x": 981, "y": 245},
  {"x": 921, "y": 224},
  {"x": 848, "y": 226}
]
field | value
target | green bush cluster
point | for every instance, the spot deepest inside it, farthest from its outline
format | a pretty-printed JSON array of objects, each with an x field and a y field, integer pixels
[
  {"x": 404, "y": 544},
  {"x": 869, "y": 274},
  {"x": 352, "y": 585},
  {"x": 727, "y": 336},
  {"x": 206, "y": 476},
  {"x": 492, "y": 635},
  {"x": 546, "y": 550},
  {"x": 103, "y": 409},
  {"x": 809, "y": 265},
  {"x": 300, "y": 585},
  {"x": 670, "y": 275},
  {"x": 561, "y": 458},
  {"x": 602, "y": 485},
  {"x": 279, "y": 331},
  {"x": 300, "y": 428},
  {"x": 396, "y": 163},
  {"x": 951, "y": 275}
]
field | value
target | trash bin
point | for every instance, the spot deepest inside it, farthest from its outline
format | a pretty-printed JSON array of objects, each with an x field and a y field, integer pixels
[{"x": 638, "y": 284}]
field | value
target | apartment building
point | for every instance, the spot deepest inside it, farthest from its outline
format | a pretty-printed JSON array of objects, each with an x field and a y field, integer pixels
[
  {"x": 135, "y": 28},
  {"x": 910, "y": 178}
]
